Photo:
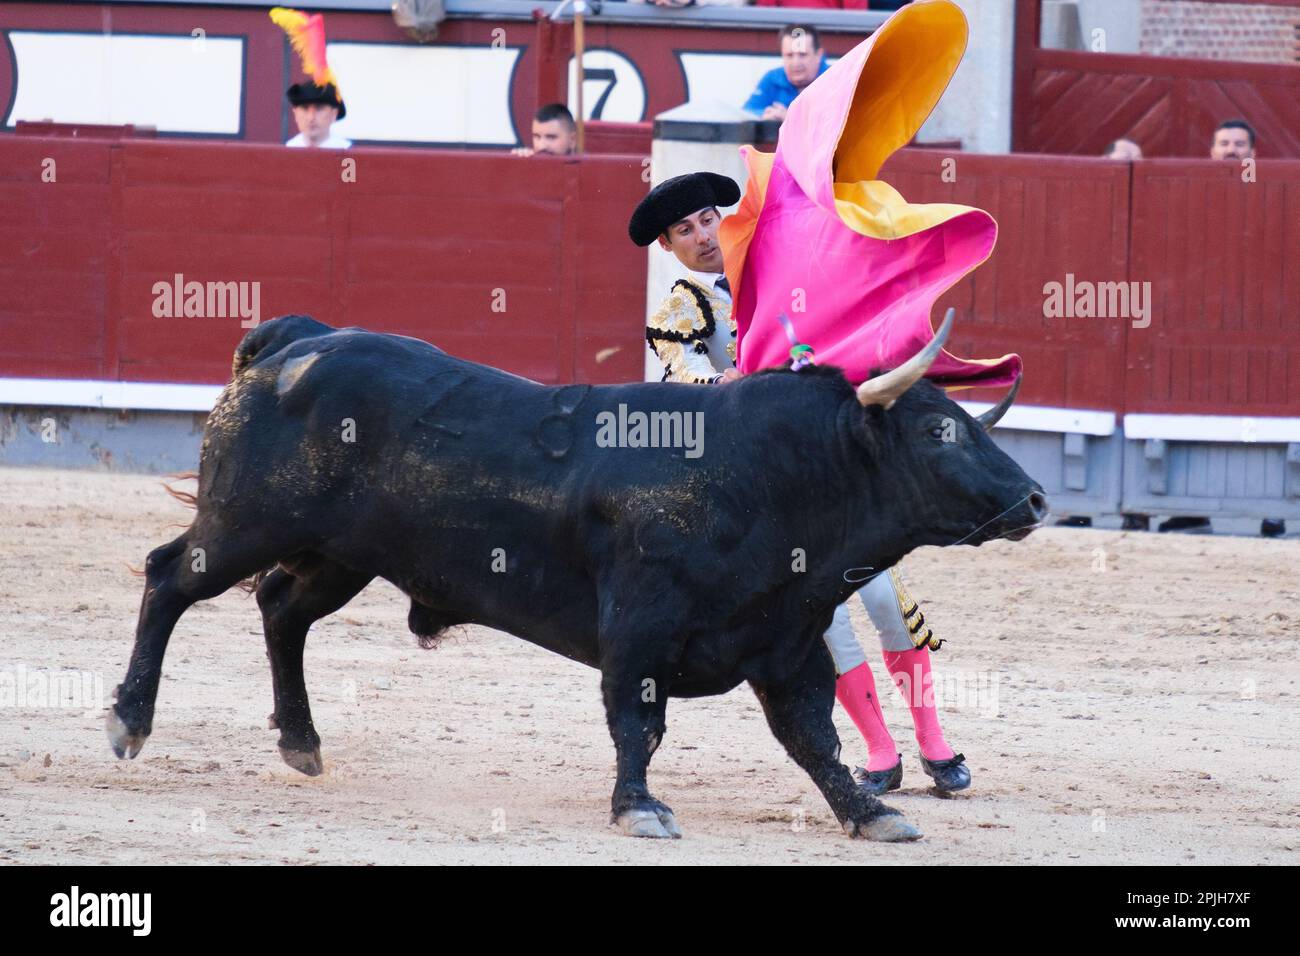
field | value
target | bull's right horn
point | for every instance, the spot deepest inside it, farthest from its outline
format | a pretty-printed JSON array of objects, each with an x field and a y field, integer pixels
[
  {"x": 994, "y": 414},
  {"x": 885, "y": 389}
]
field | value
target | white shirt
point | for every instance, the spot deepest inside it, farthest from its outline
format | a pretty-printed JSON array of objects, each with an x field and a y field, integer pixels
[
  {"x": 717, "y": 343},
  {"x": 709, "y": 280},
  {"x": 333, "y": 142}
]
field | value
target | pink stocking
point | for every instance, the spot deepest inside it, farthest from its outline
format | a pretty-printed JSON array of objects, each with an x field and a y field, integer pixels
[
  {"x": 856, "y": 692},
  {"x": 911, "y": 673}
]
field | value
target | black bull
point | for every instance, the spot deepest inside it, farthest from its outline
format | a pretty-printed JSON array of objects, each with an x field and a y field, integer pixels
[{"x": 334, "y": 457}]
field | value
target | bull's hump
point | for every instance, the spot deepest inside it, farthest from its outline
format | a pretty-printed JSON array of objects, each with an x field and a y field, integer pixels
[{"x": 292, "y": 371}]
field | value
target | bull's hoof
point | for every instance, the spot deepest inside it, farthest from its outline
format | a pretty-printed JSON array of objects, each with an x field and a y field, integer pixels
[
  {"x": 891, "y": 828},
  {"x": 125, "y": 744},
  {"x": 304, "y": 761},
  {"x": 659, "y": 824},
  {"x": 272, "y": 722}
]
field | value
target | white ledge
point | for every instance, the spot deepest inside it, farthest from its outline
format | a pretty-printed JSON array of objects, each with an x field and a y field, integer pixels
[
  {"x": 1216, "y": 428},
  {"x": 1042, "y": 418},
  {"x": 164, "y": 396},
  {"x": 80, "y": 393}
]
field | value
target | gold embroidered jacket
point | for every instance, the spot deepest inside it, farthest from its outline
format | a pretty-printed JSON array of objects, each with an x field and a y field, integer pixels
[{"x": 681, "y": 329}]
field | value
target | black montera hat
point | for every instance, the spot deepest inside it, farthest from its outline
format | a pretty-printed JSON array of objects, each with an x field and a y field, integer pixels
[
  {"x": 302, "y": 94},
  {"x": 675, "y": 199}
]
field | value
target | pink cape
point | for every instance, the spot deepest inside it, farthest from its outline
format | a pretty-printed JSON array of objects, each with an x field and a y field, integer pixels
[{"x": 855, "y": 267}]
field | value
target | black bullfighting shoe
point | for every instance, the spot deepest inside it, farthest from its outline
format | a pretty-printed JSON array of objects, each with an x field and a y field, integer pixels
[
  {"x": 876, "y": 782},
  {"x": 949, "y": 775}
]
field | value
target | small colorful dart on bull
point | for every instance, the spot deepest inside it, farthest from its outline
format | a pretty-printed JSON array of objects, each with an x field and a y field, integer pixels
[{"x": 800, "y": 354}]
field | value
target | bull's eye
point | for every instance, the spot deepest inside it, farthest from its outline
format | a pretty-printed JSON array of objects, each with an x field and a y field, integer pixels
[{"x": 937, "y": 432}]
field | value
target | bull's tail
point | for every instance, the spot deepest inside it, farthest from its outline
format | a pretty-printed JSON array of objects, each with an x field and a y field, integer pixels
[
  {"x": 184, "y": 497},
  {"x": 189, "y": 500},
  {"x": 269, "y": 337}
]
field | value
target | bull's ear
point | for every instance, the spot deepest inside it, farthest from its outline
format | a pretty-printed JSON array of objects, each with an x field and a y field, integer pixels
[
  {"x": 885, "y": 389},
  {"x": 862, "y": 426}
]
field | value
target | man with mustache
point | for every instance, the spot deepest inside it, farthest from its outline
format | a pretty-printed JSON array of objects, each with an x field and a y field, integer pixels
[
  {"x": 694, "y": 336},
  {"x": 1233, "y": 139}
]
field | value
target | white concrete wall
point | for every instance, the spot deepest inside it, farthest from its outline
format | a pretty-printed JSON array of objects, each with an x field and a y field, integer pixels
[
  {"x": 1120, "y": 24},
  {"x": 977, "y": 106}
]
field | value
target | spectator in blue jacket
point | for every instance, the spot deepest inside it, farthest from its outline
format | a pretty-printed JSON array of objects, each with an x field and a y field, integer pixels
[{"x": 802, "y": 61}]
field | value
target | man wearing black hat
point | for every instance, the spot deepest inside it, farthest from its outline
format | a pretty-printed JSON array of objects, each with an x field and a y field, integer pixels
[
  {"x": 692, "y": 332},
  {"x": 694, "y": 336},
  {"x": 315, "y": 109}
]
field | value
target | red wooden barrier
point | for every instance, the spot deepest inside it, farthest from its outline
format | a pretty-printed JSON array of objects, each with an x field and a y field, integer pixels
[
  {"x": 58, "y": 256},
  {"x": 1221, "y": 255},
  {"x": 521, "y": 263},
  {"x": 426, "y": 242},
  {"x": 83, "y": 130},
  {"x": 627, "y": 138},
  {"x": 1055, "y": 216}
]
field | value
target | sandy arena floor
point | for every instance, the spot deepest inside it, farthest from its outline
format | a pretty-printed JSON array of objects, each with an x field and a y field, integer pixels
[{"x": 1144, "y": 713}]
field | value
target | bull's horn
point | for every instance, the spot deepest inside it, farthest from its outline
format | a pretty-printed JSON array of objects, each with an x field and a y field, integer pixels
[
  {"x": 994, "y": 414},
  {"x": 885, "y": 389}
]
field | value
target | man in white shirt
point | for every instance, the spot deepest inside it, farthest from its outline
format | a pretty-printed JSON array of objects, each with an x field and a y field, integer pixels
[{"x": 315, "y": 110}]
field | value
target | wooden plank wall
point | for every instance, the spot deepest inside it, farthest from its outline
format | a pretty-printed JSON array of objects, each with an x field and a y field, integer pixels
[
  {"x": 1222, "y": 255},
  {"x": 1077, "y": 103},
  {"x": 1054, "y": 217},
  {"x": 523, "y": 264}
]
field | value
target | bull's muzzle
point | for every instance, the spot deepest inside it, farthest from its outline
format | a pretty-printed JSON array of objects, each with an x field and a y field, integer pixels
[{"x": 1027, "y": 516}]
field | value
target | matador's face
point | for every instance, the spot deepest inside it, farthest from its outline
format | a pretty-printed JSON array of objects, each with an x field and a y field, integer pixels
[{"x": 694, "y": 241}]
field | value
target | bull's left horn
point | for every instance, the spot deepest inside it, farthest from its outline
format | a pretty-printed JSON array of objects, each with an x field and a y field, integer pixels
[
  {"x": 885, "y": 389},
  {"x": 994, "y": 414}
]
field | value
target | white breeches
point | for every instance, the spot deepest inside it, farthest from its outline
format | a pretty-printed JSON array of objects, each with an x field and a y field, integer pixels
[{"x": 880, "y": 597}]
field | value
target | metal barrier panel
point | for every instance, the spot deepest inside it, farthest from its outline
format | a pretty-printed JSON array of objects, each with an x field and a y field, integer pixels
[
  {"x": 1212, "y": 479},
  {"x": 1081, "y": 474}
]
